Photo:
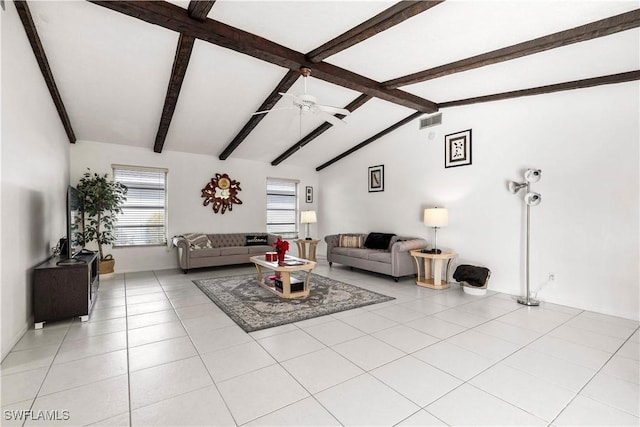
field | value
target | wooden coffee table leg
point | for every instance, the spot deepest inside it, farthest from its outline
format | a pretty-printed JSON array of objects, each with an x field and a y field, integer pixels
[
  {"x": 286, "y": 282},
  {"x": 260, "y": 279},
  {"x": 306, "y": 281}
]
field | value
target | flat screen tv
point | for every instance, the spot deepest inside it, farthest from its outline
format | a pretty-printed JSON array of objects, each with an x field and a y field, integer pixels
[{"x": 75, "y": 227}]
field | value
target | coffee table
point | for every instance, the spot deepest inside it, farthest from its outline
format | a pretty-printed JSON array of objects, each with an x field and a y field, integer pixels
[{"x": 292, "y": 264}]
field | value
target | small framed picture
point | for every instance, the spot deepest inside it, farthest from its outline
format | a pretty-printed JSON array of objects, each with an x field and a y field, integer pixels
[
  {"x": 309, "y": 194},
  {"x": 376, "y": 178},
  {"x": 457, "y": 149}
]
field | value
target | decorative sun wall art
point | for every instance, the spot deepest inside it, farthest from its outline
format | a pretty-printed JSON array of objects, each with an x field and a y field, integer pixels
[{"x": 222, "y": 193}]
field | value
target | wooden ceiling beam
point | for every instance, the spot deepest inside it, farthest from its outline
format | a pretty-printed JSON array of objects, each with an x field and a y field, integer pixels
[
  {"x": 345, "y": 78},
  {"x": 370, "y": 140},
  {"x": 384, "y": 20},
  {"x": 287, "y": 81},
  {"x": 601, "y": 28},
  {"x": 576, "y": 84},
  {"x": 43, "y": 63},
  {"x": 180, "y": 64},
  {"x": 173, "y": 18},
  {"x": 197, "y": 10},
  {"x": 355, "y": 104}
]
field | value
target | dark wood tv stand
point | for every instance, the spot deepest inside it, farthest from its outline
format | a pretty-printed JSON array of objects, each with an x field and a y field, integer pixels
[{"x": 65, "y": 288}]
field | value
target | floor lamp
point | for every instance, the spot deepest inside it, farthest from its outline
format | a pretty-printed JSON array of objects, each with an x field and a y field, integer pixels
[{"x": 530, "y": 199}]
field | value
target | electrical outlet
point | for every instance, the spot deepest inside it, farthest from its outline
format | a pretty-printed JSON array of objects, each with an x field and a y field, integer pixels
[{"x": 552, "y": 277}]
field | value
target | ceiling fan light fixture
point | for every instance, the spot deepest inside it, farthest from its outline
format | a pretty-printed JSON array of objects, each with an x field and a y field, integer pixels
[
  {"x": 306, "y": 102},
  {"x": 305, "y": 71}
]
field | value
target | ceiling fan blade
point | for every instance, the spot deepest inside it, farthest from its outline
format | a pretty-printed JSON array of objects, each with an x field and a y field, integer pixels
[
  {"x": 333, "y": 110},
  {"x": 290, "y": 95},
  {"x": 273, "y": 109},
  {"x": 330, "y": 118}
]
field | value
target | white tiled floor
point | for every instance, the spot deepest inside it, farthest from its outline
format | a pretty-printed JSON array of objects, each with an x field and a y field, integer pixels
[{"x": 156, "y": 351}]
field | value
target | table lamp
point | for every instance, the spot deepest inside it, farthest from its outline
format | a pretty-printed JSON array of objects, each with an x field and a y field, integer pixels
[
  {"x": 436, "y": 218},
  {"x": 308, "y": 217}
]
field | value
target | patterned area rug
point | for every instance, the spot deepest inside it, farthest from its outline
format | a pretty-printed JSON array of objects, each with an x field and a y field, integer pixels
[{"x": 254, "y": 308}]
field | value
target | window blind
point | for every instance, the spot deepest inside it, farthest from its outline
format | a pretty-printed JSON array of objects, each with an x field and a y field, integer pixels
[
  {"x": 144, "y": 214},
  {"x": 282, "y": 203}
]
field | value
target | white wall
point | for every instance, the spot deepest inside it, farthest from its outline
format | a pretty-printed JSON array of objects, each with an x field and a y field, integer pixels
[
  {"x": 586, "y": 229},
  {"x": 35, "y": 173},
  {"x": 188, "y": 175}
]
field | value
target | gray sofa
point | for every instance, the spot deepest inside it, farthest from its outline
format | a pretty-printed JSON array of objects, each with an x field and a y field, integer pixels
[
  {"x": 393, "y": 260},
  {"x": 208, "y": 250}
]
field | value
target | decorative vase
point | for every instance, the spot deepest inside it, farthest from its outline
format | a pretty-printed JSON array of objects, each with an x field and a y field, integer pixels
[{"x": 281, "y": 257}]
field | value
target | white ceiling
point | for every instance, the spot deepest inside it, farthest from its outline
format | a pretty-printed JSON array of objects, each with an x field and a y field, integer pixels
[{"x": 113, "y": 70}]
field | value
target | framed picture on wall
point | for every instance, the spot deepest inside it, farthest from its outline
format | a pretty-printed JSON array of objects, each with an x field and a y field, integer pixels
[
  {"x": 457, "y": 149},
  {"x": 376, "y": 178},
  {"x": 309, "y": 194}
]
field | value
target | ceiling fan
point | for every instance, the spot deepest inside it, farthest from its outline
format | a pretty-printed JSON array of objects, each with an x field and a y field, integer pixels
[{"x": 307, "y": 103}]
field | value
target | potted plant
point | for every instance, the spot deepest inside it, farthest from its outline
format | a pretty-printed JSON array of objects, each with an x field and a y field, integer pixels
[{"x": 102, "y": 201}]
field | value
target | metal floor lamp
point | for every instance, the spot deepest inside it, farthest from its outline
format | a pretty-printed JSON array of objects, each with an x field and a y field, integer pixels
[{"x": 530, "y": 199}]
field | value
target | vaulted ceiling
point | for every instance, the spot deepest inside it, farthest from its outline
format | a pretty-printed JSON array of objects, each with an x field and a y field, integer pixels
[{"x": 188, "y": 76}]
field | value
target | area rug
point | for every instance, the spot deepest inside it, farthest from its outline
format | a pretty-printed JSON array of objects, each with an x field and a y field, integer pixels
[{"x": 254, "y": 308}]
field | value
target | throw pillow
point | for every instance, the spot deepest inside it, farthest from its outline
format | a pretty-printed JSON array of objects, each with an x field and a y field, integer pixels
[
  {"x": 475, "y": 276},
  {"x": 378, "y": 240},
  {"x": 350, "y": 241},
  {"x": 197, "y": 241},
  {"x": 256, "y": 240}
]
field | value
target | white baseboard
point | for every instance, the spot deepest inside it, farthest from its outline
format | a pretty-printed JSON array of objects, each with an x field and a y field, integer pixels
[{"x": 17, "y": 337}]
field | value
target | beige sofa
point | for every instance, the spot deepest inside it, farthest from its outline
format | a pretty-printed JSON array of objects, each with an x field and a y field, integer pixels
[
  {"x": 208, "y": 250},
  {"x": 393, "y": 259}
]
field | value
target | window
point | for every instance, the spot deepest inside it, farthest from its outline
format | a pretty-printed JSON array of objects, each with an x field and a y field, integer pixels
[
  {"x": 143, "y": 220},
  {"x": 282, "y": 204}
]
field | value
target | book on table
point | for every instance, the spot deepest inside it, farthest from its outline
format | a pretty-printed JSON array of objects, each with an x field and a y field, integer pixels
[{"x": 296, "y": 285}]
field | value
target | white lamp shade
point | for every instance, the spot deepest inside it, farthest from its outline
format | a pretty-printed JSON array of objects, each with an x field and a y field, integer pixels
[
  {"x": 436, "y": 217},
  {"x": 308, "y": 217}
]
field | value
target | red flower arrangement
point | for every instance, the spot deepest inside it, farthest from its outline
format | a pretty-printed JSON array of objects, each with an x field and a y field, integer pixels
[{"x": 281, "y": 247}]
